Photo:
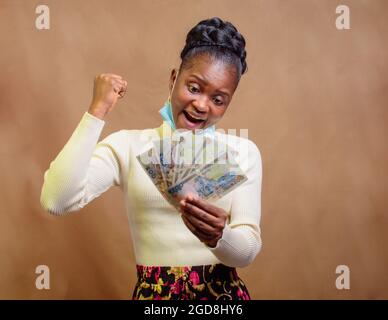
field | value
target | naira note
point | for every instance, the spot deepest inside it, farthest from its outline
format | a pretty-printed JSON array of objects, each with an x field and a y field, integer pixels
[
  {"x": 163, "y": 154},
  {"x": 213, "y": 180},
  {"x": 192, "y": 150},
  {"x": 149, "y": 162}
]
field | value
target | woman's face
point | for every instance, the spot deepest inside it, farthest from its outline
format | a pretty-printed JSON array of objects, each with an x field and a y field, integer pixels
[{"x": 202, "y": 92}]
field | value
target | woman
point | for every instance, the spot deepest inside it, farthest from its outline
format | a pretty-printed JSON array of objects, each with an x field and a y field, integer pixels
[{"x": 191, "y": 253}]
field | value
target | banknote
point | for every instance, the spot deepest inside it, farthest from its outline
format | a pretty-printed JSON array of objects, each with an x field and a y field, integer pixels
[
  {"x": 150, "y": 164},
  {"x": 163, "y": 155},
  {"x": 191, "y": 152},
  {"x": 192, "y": 164},
  {"x": 212, "y": 181}
]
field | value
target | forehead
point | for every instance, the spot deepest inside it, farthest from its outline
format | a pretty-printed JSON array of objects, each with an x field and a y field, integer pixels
[{"x": 215, "y": 73}]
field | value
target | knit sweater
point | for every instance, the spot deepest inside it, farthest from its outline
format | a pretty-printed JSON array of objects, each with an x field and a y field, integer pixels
[{"x": 85, "y": 168}]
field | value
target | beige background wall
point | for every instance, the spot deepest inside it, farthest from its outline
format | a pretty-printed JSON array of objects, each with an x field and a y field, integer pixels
[{"x": 314, "y": 100}]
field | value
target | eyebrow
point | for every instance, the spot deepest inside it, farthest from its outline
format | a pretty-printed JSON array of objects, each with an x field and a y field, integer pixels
[{"x": 205, "y": 82}]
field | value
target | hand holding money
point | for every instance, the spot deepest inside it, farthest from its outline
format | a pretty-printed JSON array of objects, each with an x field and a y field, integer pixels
[{"x": 203, "y": 219}]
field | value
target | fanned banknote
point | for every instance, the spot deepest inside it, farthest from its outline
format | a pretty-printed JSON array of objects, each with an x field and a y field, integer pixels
[
  {"x": 211, "y": 181},
  {"x": 192, "y": 164}
]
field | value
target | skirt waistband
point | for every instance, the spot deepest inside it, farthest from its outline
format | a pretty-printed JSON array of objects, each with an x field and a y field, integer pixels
[{"x": 202, "y": 272}]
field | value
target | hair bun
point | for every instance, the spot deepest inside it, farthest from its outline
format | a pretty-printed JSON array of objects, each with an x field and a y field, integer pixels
[{"x": 215, "y": 32}]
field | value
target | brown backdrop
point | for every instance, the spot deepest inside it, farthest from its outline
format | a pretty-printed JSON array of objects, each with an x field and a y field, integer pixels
[{"x": 314, "y": 100}]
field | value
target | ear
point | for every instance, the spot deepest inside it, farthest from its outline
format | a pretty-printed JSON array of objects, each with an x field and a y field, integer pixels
[{"x": 172, "y": 78}]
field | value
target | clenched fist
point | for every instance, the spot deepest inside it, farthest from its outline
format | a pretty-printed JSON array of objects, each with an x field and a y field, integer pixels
[{"x": 108, "y": 87}]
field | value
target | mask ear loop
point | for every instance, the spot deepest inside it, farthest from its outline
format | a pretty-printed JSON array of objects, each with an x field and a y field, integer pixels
[
  {"x": 173, "y": 86},
  {"x": 169, "y": 98}
]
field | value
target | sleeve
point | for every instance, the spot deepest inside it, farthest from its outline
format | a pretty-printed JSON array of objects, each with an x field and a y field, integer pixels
[
  {"x": 83, "y": 169},
  {"x": 241, "y": 240}
]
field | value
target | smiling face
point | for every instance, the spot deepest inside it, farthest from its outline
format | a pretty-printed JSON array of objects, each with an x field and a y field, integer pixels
[{"x": 202, "y": 92}]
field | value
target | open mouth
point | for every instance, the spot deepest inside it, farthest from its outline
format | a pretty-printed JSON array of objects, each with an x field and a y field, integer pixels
[{"x": 192, "y": 118}]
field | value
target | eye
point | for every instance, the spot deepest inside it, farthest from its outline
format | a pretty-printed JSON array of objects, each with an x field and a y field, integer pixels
[
  {"x": 193, "y": 89},
  {"x": 218, "y": 102}
]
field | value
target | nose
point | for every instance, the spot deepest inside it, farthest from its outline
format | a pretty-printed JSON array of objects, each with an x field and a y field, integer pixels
[{"x": 201, "y": 105}]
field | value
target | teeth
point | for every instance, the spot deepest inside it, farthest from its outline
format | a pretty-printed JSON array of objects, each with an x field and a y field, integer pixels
[{"x": 194, "y": 117}]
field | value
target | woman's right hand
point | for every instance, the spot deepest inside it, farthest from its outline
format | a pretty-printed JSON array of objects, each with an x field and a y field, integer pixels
[{"x": 108, "y": 87}]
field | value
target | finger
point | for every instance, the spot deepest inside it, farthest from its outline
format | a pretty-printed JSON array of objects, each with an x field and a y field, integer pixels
[
  {"x": 113, "y": 75},
  {"x": 204, "y": 205},
  {"x": 197, "y": 233},
  {"x": 119, "y": 88},
  {"x": 202, "y": 215},
  {"x": 122, "y": 83},
  {"x": 122, "y": 91},
  {"x": 199, "y": 224},
  {"x": 121, "y": 94}
]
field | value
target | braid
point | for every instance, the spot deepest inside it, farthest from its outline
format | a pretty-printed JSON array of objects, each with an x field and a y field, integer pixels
[{"x": 218, "y": 38}]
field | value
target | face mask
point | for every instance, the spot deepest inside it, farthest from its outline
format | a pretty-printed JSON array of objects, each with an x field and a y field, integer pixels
[{"x": 166, "y": 113}]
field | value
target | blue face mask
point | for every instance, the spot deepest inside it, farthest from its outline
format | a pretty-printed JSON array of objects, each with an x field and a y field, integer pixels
[{"x": 166, "y": 113}]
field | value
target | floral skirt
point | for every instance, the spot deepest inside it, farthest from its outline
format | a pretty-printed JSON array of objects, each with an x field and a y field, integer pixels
[{"x": 204, "y": 282}]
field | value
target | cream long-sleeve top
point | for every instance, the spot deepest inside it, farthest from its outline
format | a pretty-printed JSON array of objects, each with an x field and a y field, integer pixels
[{"x": 87, "y": 167}]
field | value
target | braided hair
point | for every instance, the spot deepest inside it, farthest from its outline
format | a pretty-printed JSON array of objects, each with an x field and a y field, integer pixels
[{"x": 220, "y": 39}]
